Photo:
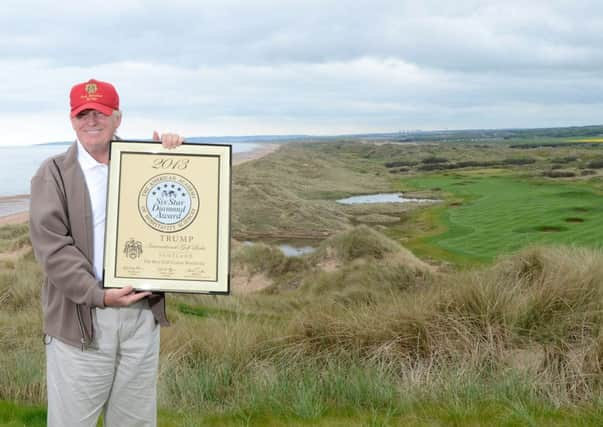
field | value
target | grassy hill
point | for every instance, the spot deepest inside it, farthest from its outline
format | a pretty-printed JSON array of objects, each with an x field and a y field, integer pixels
[{"x": 359, "y": 333}]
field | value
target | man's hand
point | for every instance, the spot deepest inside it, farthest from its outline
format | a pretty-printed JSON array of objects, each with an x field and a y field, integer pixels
[
  {"x": 123, "y": 297},
  {"x": 168, "y": 140}
]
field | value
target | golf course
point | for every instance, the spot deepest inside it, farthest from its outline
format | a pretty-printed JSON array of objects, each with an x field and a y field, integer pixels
[
  {"x": 500, "y": 214},
  {"x": 479, "y": 301}
]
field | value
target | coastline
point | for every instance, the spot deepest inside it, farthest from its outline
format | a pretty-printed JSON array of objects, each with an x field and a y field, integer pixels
[
  {"x": 261, "y": 151},
  {"x": 14, "y": 209}
]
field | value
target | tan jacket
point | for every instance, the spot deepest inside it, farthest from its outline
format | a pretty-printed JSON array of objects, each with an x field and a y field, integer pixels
[{"x": 61, "y": 230}]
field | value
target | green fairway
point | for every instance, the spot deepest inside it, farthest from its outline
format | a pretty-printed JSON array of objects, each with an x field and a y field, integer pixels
[{"x": 499, "y": 214}]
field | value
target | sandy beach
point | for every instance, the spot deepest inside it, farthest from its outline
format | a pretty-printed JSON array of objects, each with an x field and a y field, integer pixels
[
  {"x": 14, "y": 209},
  {"x": 261, "y": 151}
]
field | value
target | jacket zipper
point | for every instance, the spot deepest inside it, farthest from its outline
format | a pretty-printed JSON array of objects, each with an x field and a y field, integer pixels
[{"x": 81, "y": 324}]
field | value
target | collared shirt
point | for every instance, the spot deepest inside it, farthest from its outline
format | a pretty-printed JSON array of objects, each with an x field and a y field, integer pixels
[{"x": 96, "y": 175}]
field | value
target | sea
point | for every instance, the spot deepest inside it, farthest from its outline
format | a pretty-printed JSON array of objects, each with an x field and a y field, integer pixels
[{"x": 18, "y": 164}]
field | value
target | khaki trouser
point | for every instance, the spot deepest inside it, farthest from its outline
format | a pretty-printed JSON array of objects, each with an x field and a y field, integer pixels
[{"x": 117, "y": 374}]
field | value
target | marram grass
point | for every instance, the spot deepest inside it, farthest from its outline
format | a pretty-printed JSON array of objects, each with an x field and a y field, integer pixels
[{"x": 368, "y": 336}]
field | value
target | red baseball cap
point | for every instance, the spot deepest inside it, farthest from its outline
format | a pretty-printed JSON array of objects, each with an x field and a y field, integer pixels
[{"x": 94, "y": 95}]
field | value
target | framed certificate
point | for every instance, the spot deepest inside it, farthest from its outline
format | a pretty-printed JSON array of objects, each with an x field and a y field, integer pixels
[{"x": 168, "y": 217}]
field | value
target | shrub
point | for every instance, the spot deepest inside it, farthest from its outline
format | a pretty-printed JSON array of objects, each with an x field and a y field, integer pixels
[
  {"x": 595, "y": 164},
  {"x": 435, "y": 166},
  {"x": 559, "y": 174},
  {"x": 399, "y": 163},
  {"x": 518, "y": 161},
  {"x": 433, "y": 159},
  {"x": 399, "y": 170},
  {"x": 473, "y": 163},
  {"x": 567, "y": 159}
]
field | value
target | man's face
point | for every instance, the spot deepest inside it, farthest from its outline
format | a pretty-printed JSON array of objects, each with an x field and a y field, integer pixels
[{"x": 95, "y": 129}]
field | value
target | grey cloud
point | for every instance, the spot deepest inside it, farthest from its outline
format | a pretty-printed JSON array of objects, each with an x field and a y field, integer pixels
[
  {"x": 314, "y": 65},
  {"x": 461, "y": 35}
]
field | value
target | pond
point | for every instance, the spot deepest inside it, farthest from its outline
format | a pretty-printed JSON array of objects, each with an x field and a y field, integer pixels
[
  {"x": 290, "y": 250},
  {"x": 381, "y": 198}
]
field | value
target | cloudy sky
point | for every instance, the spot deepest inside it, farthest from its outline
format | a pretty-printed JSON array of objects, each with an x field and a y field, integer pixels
[{"x": 205, "y": 68}]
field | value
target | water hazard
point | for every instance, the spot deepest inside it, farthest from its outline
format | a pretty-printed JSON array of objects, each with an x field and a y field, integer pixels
[
  {"x": 382, "y": 198},
  {"x": 290, "y": 250}
]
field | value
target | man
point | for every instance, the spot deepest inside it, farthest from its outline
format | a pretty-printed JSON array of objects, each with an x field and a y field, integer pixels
[{"x": 102, "y": 345}]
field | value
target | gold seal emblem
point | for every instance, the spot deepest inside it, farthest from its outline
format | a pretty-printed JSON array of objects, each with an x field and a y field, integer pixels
[
  {"x": 91, "y": 88},
  {"x": 91, "y": 92},
  {"x": 168, "y": 203}
]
